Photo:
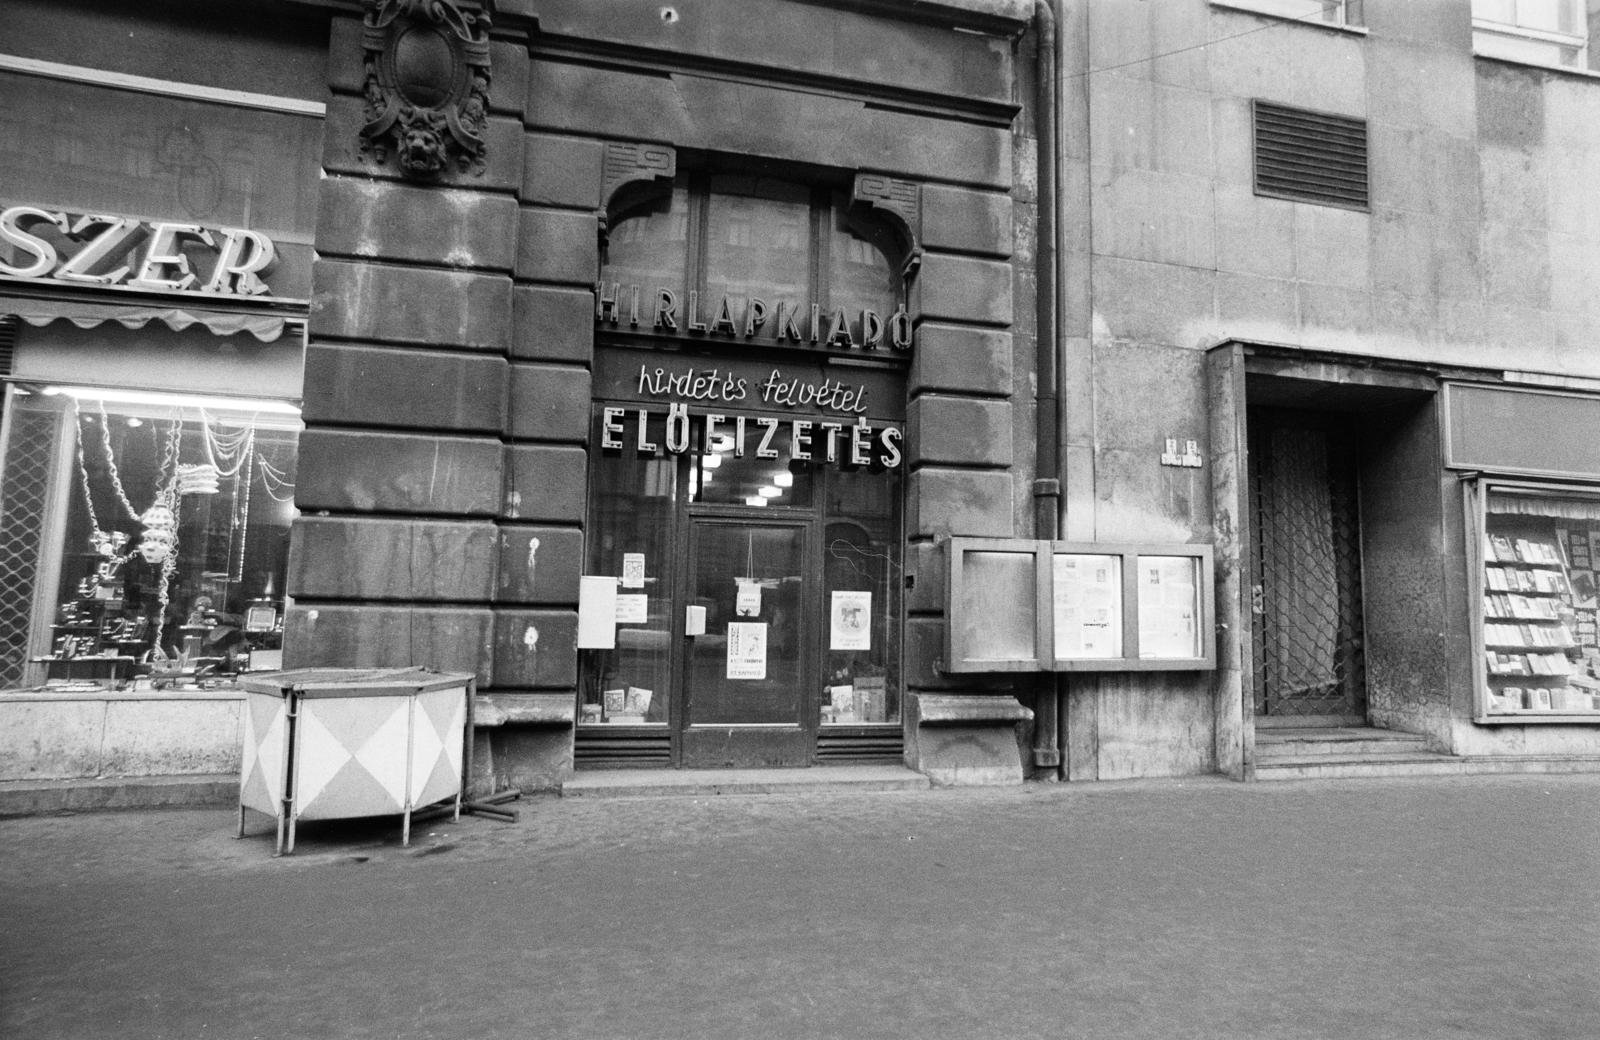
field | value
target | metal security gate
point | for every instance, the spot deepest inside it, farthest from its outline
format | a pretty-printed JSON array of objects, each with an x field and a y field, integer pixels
[
  {"x": 1306, "y": 537},
  {"x": 29, "y": 445}
]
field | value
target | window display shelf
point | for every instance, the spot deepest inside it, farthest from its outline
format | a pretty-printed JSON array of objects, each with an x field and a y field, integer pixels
[{"x": 1537, "y": 619}]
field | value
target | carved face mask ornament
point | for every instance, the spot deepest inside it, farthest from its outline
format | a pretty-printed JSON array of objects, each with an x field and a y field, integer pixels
[{"x": 427, "y": 85}]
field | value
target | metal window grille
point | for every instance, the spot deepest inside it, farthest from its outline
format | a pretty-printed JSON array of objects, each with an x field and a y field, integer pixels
[
  {"x": 1310, "y": 156},
  {"x": 1307, "y": 618},
  {"x": 23, "y": 500}
]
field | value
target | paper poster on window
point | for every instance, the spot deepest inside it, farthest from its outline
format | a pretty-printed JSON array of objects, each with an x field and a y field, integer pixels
[
  {"x": 872, "y": 696},
  {"x": 747, "y": 650},
  {"x": 633, "y": 570},
  {"x": 850, "y": 624},
  {"x": 633, "y": 609},
  {"x": 597, "y": 612},
  {"x": 1169, "y": 624},
  {"x": 638, "y": 700},
  {"x": 748, "y": 602},
  {"x": 841, "y": 703},
  {"x": 1088, "y": 606}
]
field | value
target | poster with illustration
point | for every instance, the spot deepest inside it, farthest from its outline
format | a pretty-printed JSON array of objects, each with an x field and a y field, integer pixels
[
  {"x": 633, "y": 570},
  {"x": 850, "y": 622},
  {"x": 747, "y": 650}
]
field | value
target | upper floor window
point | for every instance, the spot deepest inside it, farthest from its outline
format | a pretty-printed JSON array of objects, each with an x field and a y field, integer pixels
[
  {"x": 1324, "y": 12},
  {"x": 753, "y": 258},
  {"x": 1540, "y": 32}
]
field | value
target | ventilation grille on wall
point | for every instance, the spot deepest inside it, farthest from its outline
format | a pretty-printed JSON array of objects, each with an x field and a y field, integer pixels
[{"x": 1310, "y": 156}]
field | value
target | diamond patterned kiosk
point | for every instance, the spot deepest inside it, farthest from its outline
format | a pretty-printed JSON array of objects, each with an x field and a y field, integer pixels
[{"x": 329, "y": 743}]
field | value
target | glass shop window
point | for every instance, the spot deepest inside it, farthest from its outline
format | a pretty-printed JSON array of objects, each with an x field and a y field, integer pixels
[
  {"x": 143, "y": 534},
  {"x": 861, "y": 534},
  {"x": 730, "y": 239},
  {"x": 637, "y": 516},
  {"x": 630, "y": 534},
  {"x": 783, "y": 259},
  {"x": 759, "y": 235},
  {"x": 1537, "y": 32},
  {"x": 648, "y": 246},
  {"x": 1541, "y": 564}
]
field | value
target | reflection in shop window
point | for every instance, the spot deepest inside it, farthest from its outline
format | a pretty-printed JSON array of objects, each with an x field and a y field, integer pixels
[
  {"x": 765, "y": 229},
  {"x": 160, "y": 543},
  {"x": 646, "y": 246}
]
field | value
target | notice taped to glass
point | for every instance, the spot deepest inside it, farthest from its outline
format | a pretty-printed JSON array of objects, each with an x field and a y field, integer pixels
[
  {"x": 747, "y": 650},
  {"x": 633, "y": 609},
  {"x": 850, "y": 627}
]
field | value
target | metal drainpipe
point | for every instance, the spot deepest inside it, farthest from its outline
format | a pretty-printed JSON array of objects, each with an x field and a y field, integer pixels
[{"x": 1047, "y": 397}]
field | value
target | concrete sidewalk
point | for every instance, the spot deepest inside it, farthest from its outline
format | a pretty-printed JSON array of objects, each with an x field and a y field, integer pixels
[{"x": 1451, "y": 907}]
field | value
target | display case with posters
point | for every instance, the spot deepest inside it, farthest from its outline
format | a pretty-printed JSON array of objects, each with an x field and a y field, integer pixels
[
  {"x": 1537, "y": 552},
  {"x": 1025, "y": 605}
]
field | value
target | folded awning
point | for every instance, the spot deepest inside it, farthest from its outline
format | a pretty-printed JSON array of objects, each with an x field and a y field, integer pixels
[{"x": 265, "y": 327}]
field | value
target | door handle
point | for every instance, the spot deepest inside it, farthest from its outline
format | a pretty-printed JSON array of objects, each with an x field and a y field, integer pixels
[{"x": 694, "y": 621}]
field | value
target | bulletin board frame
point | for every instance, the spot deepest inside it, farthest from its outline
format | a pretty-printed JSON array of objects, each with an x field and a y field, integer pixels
[
  {"x": 1136, "y": 601},
  {"x": 1005, "y": 617}
]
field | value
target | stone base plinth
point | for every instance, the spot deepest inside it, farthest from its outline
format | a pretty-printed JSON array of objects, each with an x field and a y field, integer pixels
[{"x": 964, "y": 739}]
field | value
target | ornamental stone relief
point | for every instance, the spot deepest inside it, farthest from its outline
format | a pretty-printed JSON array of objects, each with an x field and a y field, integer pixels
[{"x": 427, "y": 85}]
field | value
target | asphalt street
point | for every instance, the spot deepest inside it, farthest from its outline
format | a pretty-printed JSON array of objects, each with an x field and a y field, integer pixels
[{"x": 1414, "y": 908}]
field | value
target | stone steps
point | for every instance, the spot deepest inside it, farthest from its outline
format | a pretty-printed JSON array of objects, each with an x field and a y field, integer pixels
[
  {"x": 1382, "y": 764},
  {"x": 1327, "y": 752},
  {"x": 679, "y": 783}
]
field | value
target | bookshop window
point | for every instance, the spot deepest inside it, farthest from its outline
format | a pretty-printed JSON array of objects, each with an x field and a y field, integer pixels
[
  {"x": 1541, "y": 554},
  {"x": 145, "y": 528},
  {"x": 1539, "y": 32}
]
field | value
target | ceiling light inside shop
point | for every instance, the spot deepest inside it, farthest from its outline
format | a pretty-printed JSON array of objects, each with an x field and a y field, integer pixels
[
  {"x": 769, "y": 492},
  {"x": 710, "y": 461},
  {"x": 784, "y": 479},
  {"x": 755, "y": 500},
  {"x": 145, "y": 397}
]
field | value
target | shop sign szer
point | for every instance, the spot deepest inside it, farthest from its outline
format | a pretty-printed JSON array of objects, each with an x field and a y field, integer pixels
[{"x": 154, "y": 256}]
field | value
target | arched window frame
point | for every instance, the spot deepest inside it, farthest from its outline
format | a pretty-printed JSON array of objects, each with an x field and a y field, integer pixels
[{"x": 875, "y": 209}]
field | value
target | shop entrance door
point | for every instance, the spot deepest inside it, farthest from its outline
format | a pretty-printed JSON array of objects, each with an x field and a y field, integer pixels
[
  {"x": 746, "y": 680},
  {"x": 758, "y": 606},
  {"x": 1306, "y": 564}
]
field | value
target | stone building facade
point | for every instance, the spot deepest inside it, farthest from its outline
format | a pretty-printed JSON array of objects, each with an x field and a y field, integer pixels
[{"x": 654, "y": 355}]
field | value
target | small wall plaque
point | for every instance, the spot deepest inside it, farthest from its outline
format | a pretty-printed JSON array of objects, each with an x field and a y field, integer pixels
[{"x": 1188, "y": 458}]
